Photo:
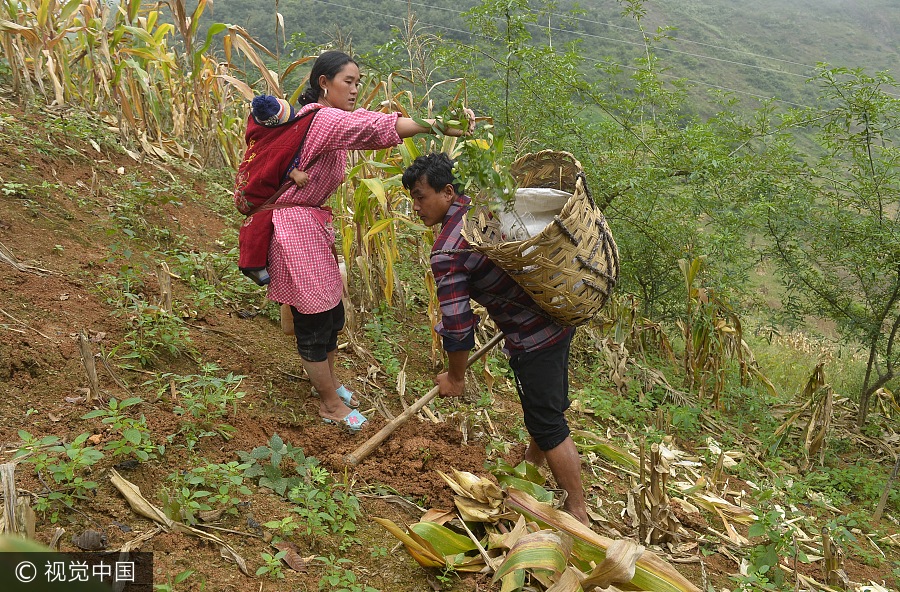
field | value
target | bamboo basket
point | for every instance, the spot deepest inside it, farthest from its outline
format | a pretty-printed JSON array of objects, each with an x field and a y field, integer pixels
[{"x": 569, "y": 268}]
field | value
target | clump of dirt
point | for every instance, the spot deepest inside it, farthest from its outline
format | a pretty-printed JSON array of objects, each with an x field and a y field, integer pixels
[{"x": 406, "y": 462}]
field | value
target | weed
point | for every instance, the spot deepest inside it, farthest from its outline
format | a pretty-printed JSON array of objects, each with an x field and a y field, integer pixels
[
  {"x": 223, "y": 481},
  {"x": 64, "y": 463},
  {"x": 861, "y": 482},
  {"x": 119, "y": 289},
  {"x": 207, "y": 488},
  {"x": 154, "y": 331},
  {"x": 213, "y": 278},
  {"x": 841, "y": 529},
  {"x": 686, "y": 420},
  {"x": 137, "y": 199},
  {"x": 763, "y": 571},
  {"x": 135, "y": 435},
  {"x": 9, "y": 189},
  {"x": 497, "y": 446},
  {"x": 180, "y": 577},
  {"x": 203, "y": 400},
  {"x": 606, "y": 404},
  {"x": 339, "y": 579},
  {"x": 446, "y": 576},
  {"x": 324, "y": 507},
  {"x": 284, "y": 528},
  {"x": 185, "y": 504},
  {"x": 380, "y": 330},
  {"x": 265, "y": 464},
  {"x": 272, "y": 566}
]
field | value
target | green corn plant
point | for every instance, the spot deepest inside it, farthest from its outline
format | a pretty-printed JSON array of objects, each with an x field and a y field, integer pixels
[{"x": 712, "y": 336}]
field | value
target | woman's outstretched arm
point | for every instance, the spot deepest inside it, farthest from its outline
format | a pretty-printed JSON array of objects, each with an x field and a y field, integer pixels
[{"x": 406, "y": 127}]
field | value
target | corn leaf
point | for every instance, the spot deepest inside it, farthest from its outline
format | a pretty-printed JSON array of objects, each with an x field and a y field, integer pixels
[
  {"x": 608, "y": 450},
  {"x": 378, "y": 227},
  {"x": 569, "y": 581},
  {"x": 445, "y": 541},
  {"x": 475, "y": 511},
  {"x": 524, "y": 470},
  {"x": 513, "y": 581},
  {"x": 544, "y": 549},
  {"x": 715, "y": 503},
  {"x": 376, "y": 186},
  {"x": 532, "y": 489},
  {"x": 651, "y": 572},
  {"x": 618, "y": 566},
  {"x": 424, "y": 554}
]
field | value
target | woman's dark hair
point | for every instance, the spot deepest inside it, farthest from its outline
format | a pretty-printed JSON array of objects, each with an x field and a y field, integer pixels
[
  {"x": 330, "y": 64},
  {"x": 437, "y": 168}
]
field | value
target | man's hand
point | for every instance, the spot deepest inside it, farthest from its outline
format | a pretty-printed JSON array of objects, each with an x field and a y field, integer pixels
[{"x": 450, "y": 387}]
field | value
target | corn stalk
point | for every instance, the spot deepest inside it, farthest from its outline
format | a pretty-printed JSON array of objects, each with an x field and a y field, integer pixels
[
  {"x": 815, "y": 414},
  {"x": 170, "y": 103},
  {"x": 639, "y": 334},
  {"x": 712, "y": 336},
  {"x": 155, "y": 81},
  {"x": 833, "y": 566}
]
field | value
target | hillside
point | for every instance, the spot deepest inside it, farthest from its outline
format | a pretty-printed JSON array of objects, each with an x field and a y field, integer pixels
[
  {"x": 83, "y": 229},
  {"x": 756, "y": 50}
]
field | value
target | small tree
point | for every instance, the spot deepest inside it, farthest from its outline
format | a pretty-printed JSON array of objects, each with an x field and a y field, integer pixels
[{"x": 834, "y": 225}]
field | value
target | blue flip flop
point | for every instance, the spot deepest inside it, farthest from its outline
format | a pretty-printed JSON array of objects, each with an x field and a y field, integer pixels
[
  {"x": 344, "y": 393},
  {"x": 347, "y": 397},
  {"x": 353, "y": 421}
]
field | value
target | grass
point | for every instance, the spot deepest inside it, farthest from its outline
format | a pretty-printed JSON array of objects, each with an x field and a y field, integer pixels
[{"x": 788, "y": 359}]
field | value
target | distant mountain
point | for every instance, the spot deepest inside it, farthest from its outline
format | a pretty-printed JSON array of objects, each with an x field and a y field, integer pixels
[{"x": 758, "y": 48}]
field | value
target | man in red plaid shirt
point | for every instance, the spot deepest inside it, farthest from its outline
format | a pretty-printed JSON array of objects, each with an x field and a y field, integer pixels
[{"x": 537, "y": 346}]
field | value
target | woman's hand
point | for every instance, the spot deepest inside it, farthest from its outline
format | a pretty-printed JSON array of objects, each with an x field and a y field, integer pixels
[
  {"x": 406, "y": 127},
  {"x": 300, "y": 178},
  {"x": 470, "y": 119}
]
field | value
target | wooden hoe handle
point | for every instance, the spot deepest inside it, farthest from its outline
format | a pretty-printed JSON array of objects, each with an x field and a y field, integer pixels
[{"x": 366, "y": 448}]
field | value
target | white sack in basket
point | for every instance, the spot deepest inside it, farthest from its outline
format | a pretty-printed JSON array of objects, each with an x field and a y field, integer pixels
[{"x": 534, "y": 208}]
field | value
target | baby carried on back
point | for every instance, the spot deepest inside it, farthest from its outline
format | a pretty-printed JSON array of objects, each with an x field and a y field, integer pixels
[{"x": 274, "y": 139}]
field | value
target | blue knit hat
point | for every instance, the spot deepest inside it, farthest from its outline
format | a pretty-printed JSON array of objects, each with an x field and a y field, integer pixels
[{"x": 270, "y": 111}]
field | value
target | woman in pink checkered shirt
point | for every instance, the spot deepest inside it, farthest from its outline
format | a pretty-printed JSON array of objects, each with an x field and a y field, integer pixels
[{"x": 302, "y": 257}]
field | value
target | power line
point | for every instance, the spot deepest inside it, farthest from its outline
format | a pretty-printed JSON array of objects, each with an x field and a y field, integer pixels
[
  {"x": 700, "y": 82},
  {"x": 635, "y": 30},
  {"x": 683, "y": 40},
  {"x": 470, "y": 34}
]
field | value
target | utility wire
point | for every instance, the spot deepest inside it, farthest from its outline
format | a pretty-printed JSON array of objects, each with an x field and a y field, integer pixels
[
  {"x": 634, "y": 30},
  {"x": 470, "y": 34},
  {"x": 708, "y": 84},
  {"x": 683, "y": 40}
]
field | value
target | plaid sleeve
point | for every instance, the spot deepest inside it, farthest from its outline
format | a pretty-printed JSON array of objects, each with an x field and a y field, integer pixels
[
  {"x": 458, "y": 322},
  {"x": 353, "y": 130}
]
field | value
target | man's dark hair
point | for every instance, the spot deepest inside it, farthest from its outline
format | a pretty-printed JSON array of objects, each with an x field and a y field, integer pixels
[
  {"x": 436, "y": 168},
  {"x": 330, "y": 63}
]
